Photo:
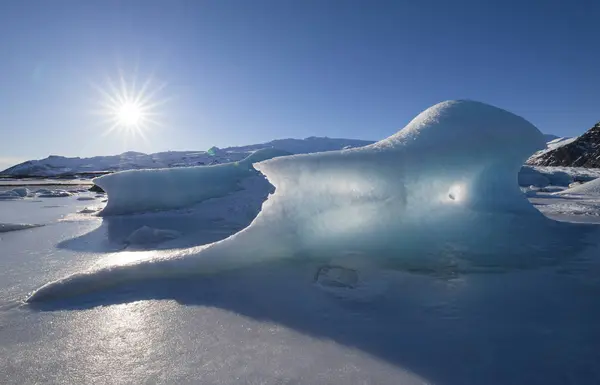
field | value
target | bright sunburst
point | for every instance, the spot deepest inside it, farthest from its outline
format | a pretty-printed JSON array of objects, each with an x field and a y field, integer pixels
[
  {"x": 129, "y": 108},
  {"x": 129, "y": 114}
]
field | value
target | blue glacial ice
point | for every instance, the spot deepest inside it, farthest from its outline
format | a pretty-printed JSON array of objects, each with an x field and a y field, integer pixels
[{"x": 439, "y": 195}]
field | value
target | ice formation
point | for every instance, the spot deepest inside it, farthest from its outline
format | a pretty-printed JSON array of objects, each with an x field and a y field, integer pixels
[
  {"x": 9, "y": 195},
  {"x": 163, "y": 189},
  {"x": 85, "y": 198},
  {"x": 440, "y": 194},
  {"x": 46, "y": 193},
  {"x": 531, "y": 177},
  {"x": 6, "y": 227}
]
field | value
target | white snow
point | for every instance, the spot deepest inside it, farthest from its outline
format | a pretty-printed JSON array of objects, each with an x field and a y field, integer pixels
[
  {"x": 149, "y": 190},
  {"x": 590, "y": 189},
  {"x": 563, "y": 176},
  {"x": 440, "y": 194},
  {"x": 559, "y": 142},
  {"x": 60, "y": 165},
  {"x": 553, "y": 144}
]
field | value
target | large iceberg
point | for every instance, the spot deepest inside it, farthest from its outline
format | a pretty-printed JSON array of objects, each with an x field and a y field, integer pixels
[
  {"x": 439, "y": 195},
  {"x": 163, "y": 189}
]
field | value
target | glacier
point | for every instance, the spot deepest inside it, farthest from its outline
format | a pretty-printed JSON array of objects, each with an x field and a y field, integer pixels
[{"x": 440, "y": 195}]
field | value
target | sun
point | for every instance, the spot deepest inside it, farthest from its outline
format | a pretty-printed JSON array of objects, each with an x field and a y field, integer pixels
[
  {"x": 129, "y": 114},
  {"x": 128, "y": 108}
]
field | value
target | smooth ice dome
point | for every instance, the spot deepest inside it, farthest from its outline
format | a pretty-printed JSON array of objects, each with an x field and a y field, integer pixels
[{"x": 440, "y": 195}]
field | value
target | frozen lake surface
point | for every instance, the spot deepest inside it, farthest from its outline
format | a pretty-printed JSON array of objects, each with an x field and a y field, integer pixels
[{"x": 272, "y": 324}]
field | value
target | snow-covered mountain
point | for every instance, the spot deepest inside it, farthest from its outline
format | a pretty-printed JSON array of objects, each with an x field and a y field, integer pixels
[
  {"x": 60, "y": 165},
  {"x": 550, "y": 146},
  {"x": 581, "y": 151}
]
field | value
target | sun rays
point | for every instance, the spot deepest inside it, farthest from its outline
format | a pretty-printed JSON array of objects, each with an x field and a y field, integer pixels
[{"x": 129, "y": 109}]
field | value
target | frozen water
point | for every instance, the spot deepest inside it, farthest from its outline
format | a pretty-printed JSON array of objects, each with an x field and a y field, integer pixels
[
  {"x": 6, "y": 227},
  {"x": 46, "y": 193},
  {"x": 148, "y": 190},
  {"x": 21, "y": 191},
  {"x": 590, "y": 188},
  {"x": 147, "y": 235},
  {"x": 85, "y": 198},
  {"x": 531, "y": 177},
  {"x": 440, "y": 195},
  {"x": 9, "y": 195}
]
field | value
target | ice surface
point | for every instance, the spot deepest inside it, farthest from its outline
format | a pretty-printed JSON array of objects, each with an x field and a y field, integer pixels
[
  {"x": 9, "y": 195},
  {"x": 149, "y": 190},
  {"x": 6, "y": 227},
  {"x": 21, "y": 191},
  {"x": 590, "y": 188},
  {"x": 147, "y": 235},
  {"x": 85, "y": 198},
  {"x": 440, "y": 195},
  {"x": 563, "y": 176},
  {"x": 531, "y": 177},
  {"x": 46, "y": 193}
]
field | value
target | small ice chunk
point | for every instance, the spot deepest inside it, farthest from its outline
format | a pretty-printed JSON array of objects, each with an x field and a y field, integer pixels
[
  {"x": 88, "y": 210},
  {"x": 6, "y": 227},
  {"x": 21, "y": 191},
  {"x": 85, "y": 198},
  {"x": 9, "y": 195},
  {"x": 147, "y": 235},
  {"x": 46, "y": 193}
]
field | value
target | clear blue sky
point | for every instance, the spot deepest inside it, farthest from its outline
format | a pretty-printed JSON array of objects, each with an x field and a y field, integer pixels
[{"x": 246, "y": 71}]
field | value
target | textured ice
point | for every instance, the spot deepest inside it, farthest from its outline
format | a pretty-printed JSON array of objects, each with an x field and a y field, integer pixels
[
  {"x": 9, "y": 195},
  {"x": 440, "y": 195},
  {"x": 590, "y": 189},
  {"x": 85, "y": 198},
  {"x": 531, "y": 177},
  {"x": 21, "y": 191},
  {"x": 46, "y": 193},
  {"x": 6, "y": 227},
  {"x": 162, "y": 189},
  {"x": 147, "y": 235}
]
